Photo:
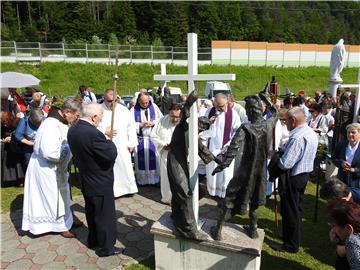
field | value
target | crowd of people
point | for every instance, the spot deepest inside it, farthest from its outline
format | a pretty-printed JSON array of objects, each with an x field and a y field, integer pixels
[{"x": 119, "y": 148}]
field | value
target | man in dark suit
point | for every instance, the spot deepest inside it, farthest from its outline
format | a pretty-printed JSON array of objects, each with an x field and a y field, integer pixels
[
  {"x": 94, "y": 155},
  {"x": 347, "y": 157}
]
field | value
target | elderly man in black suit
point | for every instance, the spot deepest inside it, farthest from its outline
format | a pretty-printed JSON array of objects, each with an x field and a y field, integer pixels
[
  {"x": 94, "y": 155},
  {"x": 347, "y": 157}
]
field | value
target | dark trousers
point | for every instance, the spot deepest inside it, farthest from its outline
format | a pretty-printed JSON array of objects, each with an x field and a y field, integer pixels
[
  {"x": 291, "y": 208},
  {"x": 341, "y": 263},
  {"x": 101, "y": 220}
]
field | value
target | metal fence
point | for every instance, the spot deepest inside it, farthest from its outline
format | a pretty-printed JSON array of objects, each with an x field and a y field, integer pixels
[{"x": 38, "y": 52}]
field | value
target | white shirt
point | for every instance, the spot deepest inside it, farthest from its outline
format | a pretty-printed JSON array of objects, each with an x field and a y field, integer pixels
[{"x": 350, "y": 152}]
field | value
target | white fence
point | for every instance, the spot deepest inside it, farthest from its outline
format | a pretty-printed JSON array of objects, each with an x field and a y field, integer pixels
[
  {"x": 12, "y": 51},
  {"x": 221, "y": 52},
  {"x": 249, "y": 53}
]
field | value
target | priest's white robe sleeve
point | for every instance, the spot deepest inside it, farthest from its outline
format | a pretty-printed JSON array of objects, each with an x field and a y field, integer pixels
[
  {"x": 131, "y": 131},
  {"x": 49, "y": 146},
  {"x": 158, "y": 113},
  {"x": 155, "y": 135}
]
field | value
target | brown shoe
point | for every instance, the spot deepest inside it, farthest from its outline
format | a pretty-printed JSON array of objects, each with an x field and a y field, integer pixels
[{"x": 67, "y": 234}]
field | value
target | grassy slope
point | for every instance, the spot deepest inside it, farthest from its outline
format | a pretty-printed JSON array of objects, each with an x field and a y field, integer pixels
[{"x": 64, "y": 78}]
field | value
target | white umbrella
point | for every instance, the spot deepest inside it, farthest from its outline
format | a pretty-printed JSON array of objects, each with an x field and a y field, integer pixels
[{"x": 17, "y": 80}]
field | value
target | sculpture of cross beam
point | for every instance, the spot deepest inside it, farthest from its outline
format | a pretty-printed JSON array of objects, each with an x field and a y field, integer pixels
[{"x": 191, "y": 78}]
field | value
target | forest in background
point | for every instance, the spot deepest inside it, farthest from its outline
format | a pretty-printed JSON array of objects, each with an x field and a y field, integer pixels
[{"x": 166, "y": 23}]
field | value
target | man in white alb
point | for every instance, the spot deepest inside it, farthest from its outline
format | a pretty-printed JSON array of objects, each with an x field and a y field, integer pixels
[
  {"x": 125, "y": 139},
  {"x": 161, "y": 137},
  {"x": 46, "y": 205},
  {"x": 225, "y": 122}
]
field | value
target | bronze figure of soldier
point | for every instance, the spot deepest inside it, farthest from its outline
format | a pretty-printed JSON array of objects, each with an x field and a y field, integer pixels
[{"x": 249, "y": 147}]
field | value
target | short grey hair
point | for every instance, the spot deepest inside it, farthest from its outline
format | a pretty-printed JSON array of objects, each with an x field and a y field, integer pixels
[
  {"x": 36, "y": 115},
  {"x": 91, "y": 109},
  {"x": 353, "y": 126},
  {"x": 297, "y": 112},
  {"x": 71, "y": 104},
  {"x": 221, "y": 95}
]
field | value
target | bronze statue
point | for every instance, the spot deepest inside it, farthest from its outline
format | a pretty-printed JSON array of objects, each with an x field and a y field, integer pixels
[
  {"x": 178, "y": 173},
  {"x": 249, "y": 147}
]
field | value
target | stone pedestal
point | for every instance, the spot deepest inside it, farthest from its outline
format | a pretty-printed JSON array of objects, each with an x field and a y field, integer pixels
[{"x": 235, "y": 251}]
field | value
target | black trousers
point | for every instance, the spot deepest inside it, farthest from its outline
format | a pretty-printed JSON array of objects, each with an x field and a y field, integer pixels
[
  {"x": 101, "y": 220},
  {"x": 291, "y": 209}
]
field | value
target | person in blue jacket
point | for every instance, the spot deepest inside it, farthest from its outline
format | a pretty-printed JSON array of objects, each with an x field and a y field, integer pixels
[{"x": 25, "y": 133}]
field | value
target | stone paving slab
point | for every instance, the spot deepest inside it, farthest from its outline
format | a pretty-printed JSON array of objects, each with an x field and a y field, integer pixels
[{"x": 135, "y": 216}]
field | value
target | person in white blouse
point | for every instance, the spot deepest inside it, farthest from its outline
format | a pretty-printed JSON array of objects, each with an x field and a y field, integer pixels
[{"x": 318, "y": 123}]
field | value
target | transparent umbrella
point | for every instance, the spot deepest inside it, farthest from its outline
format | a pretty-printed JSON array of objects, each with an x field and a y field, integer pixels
[{"x": 17, "y": 80}]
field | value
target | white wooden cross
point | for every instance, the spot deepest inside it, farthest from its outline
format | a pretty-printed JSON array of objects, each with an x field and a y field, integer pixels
[{"x": 191, "y": 78}]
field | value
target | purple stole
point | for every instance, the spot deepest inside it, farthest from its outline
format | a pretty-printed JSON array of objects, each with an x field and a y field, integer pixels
[
  {"x": 228, "y": 122},
  {"x": 140, "y": 147}
]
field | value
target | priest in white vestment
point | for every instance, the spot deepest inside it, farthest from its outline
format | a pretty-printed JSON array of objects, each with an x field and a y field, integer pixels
[
  {"x": 161, "y": 137},
  {"x": 46, "y": 205},
  {"x": 125, "y": 139},
  {"x": 225, "y": 122},
  {"x": 146, "y": 115}
]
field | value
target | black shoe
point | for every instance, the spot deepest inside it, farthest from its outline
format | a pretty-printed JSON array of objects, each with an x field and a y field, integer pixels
[
  {"x": 105, "y": 253},
  {"x": 282, "y": 248},
  {"x": 93, "y": 246}
]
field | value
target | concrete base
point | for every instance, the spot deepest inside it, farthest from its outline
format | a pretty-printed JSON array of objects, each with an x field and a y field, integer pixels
[{"x": 235, "y": 251}]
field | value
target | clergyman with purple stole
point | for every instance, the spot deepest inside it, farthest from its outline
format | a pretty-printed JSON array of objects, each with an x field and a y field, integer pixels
[{"x": 146, "y": 115}]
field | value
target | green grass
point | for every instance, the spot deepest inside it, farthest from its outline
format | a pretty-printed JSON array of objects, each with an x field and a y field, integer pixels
[{"x": 63, "y": 79}]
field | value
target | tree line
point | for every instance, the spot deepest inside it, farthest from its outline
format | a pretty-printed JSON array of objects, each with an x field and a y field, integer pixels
[{"x": 167, "y": 23}]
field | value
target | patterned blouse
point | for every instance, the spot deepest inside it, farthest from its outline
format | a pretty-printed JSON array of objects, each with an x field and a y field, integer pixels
[{"x": 352, "y": 246}]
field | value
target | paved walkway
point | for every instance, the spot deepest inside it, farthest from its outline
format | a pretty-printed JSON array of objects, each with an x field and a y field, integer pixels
[{"x": 135, "y": 215}]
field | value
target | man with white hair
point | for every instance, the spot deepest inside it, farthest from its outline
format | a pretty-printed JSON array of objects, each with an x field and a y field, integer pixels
[
  {"x": 225, "y": 121},
  {"x": 125, "y": 138},
  {"x": 298, "y": 160},
  {"x": 94, "y": 155}
]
